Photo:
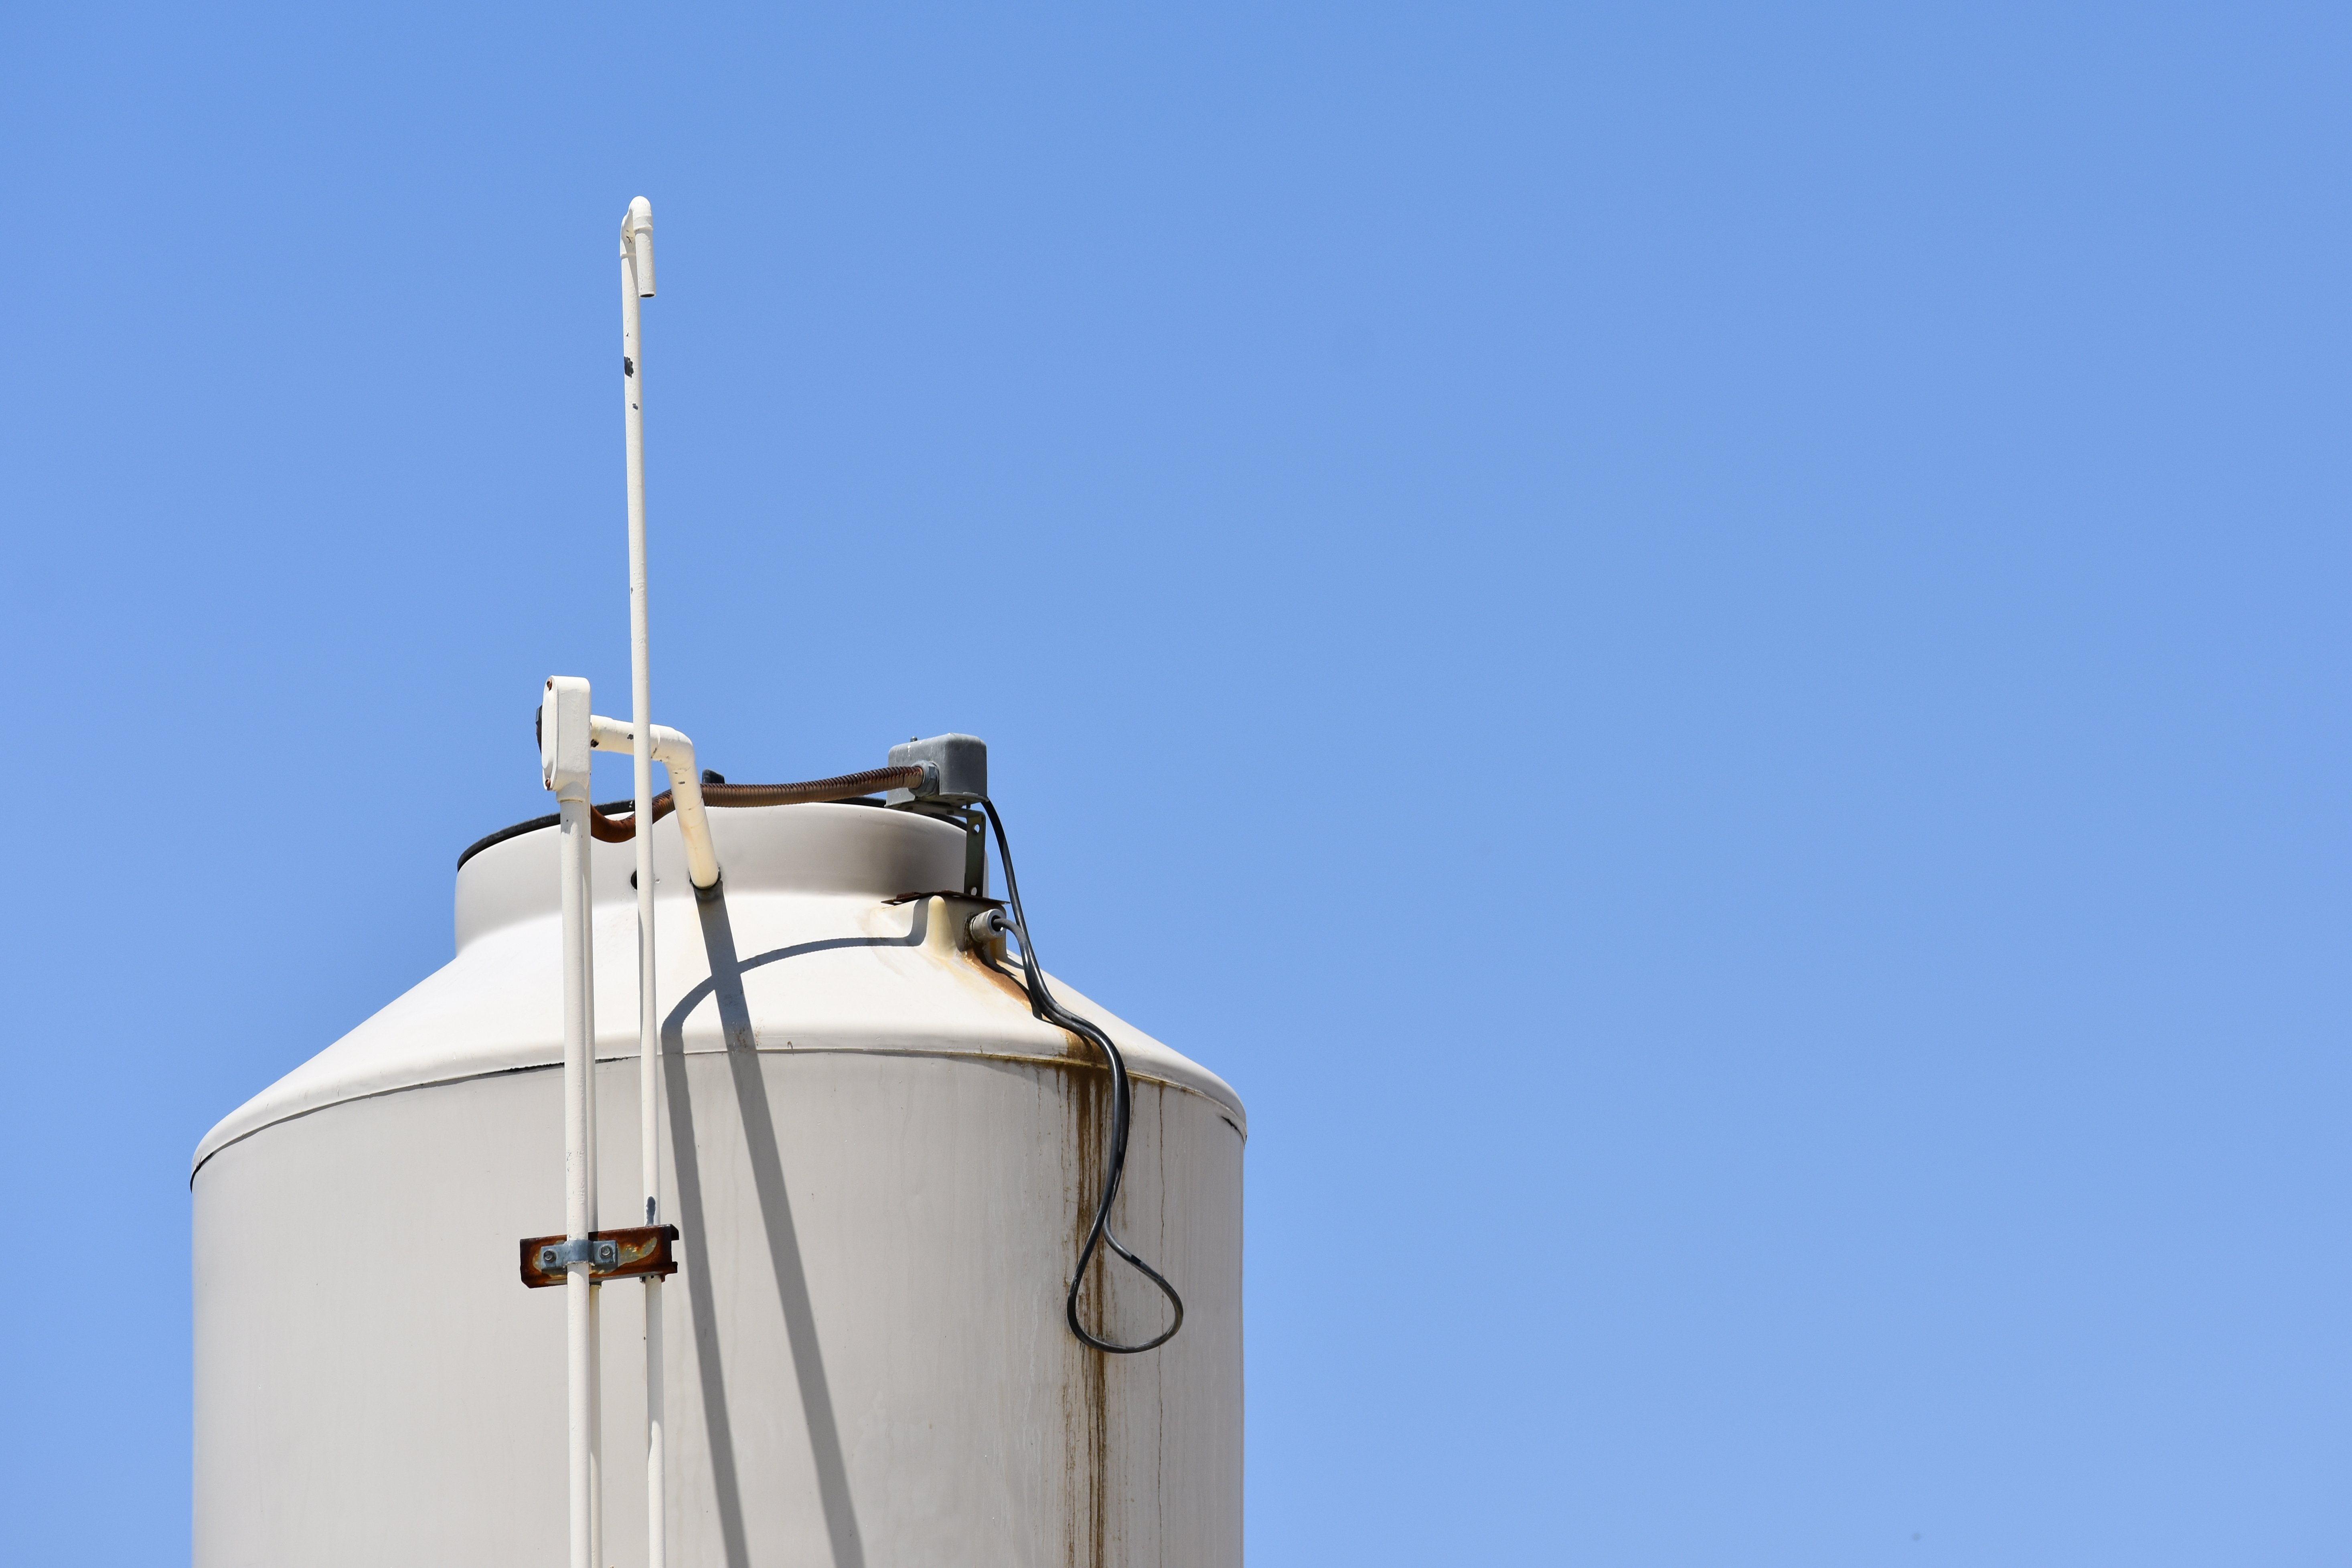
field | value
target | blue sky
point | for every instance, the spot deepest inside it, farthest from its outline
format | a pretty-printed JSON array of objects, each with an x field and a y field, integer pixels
[{"x": 1701, "y": 649}]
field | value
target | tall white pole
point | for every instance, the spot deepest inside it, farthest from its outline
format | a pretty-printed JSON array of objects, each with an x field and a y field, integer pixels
[{"x": 637, "y": 282}]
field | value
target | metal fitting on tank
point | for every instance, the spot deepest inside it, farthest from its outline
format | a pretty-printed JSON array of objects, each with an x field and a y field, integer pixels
[{"x": 987, "y": 929}]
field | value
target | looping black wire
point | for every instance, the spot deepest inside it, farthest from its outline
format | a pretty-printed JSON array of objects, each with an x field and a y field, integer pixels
[{"x": 1042, "y": 1003}]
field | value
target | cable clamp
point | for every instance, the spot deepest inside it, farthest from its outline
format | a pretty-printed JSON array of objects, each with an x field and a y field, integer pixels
[{"x": 587, "y": 1249}]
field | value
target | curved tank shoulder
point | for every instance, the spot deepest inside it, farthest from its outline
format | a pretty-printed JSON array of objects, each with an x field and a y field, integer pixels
[{"x": 840, "y": 929}]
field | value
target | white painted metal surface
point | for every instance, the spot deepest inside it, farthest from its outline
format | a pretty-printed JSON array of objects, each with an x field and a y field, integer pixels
[{"x": 881, "y": 1165}]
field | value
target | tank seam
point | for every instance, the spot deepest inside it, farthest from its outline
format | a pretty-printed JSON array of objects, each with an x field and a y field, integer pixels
[{"x": 763, "y": 1050}]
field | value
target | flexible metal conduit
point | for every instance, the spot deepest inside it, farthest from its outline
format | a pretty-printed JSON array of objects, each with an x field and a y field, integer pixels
[
  {"x": 846, "y": 786},
  {"x": 610, "y": 828}
]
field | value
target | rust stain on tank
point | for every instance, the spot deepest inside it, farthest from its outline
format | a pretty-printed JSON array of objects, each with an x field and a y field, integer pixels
[
  {"x": 1086, "y": 1405},
  {"x": 1082, "y": 1079},
  {"x": 1001, "y": 981},
  {"x": 997, "y": 979}
]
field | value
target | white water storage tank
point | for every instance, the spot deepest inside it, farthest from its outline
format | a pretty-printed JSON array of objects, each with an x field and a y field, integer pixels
[{"x": 880, "y": 1201}]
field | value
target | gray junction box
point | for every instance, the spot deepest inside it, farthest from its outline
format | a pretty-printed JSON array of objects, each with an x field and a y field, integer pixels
[{"x": 958, "y": 764}]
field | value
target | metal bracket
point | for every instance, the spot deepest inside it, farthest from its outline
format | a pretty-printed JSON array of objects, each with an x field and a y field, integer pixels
[
  {"x": 587, "y": 1249},
  {"x": 975, "y": 841},
  {"x": 609, "y": 1254}
]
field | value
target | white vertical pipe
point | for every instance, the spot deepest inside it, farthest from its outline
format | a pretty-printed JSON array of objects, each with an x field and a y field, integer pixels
[
  {"x": 578, "y": 1053},
  {"x": 596, "y": 1425},
  {"x": 595, "y": 1291},
  {"x": 637, "y": 282},
  {"x": 657, "y": 1514},
  {"x": 566, "y": 743}
]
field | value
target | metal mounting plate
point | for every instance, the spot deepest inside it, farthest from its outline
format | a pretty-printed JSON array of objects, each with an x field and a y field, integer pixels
[{"x": 611, "y": 1255}]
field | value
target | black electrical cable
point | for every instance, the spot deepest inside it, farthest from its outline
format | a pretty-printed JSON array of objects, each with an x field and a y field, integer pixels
[{"x": 1042, "y": 1003}]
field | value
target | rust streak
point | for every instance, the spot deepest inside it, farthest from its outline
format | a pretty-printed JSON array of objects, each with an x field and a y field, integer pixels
[{"x": 1086, "y": 1398}]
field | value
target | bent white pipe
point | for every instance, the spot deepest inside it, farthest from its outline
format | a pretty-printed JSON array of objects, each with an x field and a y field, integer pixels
[{"x": 676, "y": 752}]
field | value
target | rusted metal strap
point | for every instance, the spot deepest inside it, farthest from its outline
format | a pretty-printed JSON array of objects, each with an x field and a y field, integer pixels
[
  {"x": 611, "y": 1255},
  {"x": 947, "y": 893}
]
